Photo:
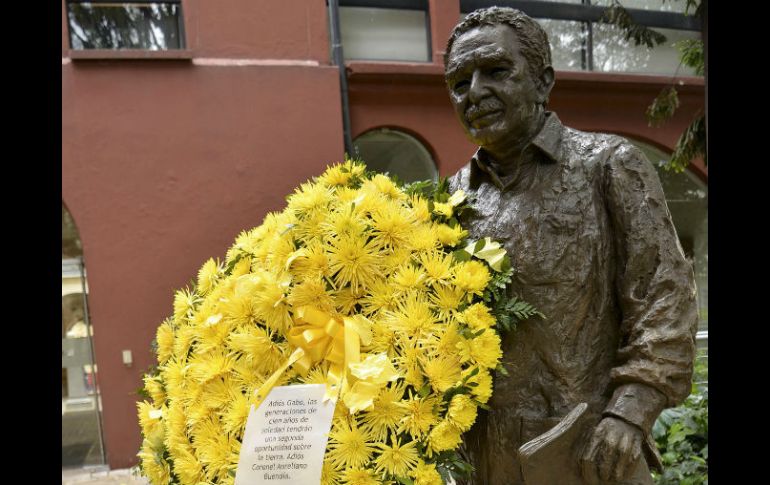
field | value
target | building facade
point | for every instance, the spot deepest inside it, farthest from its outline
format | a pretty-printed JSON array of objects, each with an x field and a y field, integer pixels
[{"x": 185, "y": 122}]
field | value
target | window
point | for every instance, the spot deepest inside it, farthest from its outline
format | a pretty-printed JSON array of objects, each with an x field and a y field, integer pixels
[
  {"x": 386, "y": 32},
  {"x": 82, "y": 443},
  {"x": 580, "y": 42},
  {"x": 125, "y": 25},
  {"x": 395, "y": 152}
]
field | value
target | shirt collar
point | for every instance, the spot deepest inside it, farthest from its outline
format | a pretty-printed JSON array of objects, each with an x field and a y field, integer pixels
[{"x": 548, "y": 140}]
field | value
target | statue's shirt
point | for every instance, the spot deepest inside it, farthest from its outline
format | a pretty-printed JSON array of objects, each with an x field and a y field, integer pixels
[{"x": 594, "y": 249}]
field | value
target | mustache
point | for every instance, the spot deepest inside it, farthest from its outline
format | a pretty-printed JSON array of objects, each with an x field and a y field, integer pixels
[{"x": 484, "y": 107}]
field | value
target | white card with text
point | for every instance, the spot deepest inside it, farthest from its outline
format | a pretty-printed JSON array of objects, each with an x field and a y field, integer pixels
[{"x": 285, "y": 438}]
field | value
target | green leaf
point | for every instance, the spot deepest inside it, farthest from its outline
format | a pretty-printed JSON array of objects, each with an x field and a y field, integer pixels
[
  {"x": 663, "y": 107},
  {"x": 424, "y": 390}
]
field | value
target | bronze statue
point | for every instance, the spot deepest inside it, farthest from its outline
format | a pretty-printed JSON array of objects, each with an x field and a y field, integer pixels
[{"x": 585, "y": 221}]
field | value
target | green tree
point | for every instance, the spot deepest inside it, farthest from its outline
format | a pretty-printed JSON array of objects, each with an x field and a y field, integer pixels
[{"x": 691, "y": 143}]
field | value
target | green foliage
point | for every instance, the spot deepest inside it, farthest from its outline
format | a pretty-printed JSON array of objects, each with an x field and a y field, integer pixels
[
  {"x": 692, "y": 55},
  {"x": 509, "y": 312},
  {"x": 691, "y": 144},
  {"x": 681, "y": 435},
  {"x": 663, "y": 107},
  {"x": 617, "y": 15}
]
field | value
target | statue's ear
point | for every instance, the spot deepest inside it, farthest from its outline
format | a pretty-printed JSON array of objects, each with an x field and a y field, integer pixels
[{"x": 545, "y": 84}]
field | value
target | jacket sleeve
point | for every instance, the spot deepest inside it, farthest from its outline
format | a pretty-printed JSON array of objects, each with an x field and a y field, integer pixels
[{"x": 656, "y": 292}]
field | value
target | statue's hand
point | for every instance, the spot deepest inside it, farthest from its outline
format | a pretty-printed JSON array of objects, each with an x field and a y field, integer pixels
[{"x": 613, "y": 450}]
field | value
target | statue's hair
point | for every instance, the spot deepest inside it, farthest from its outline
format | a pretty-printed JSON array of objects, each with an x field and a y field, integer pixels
[{"x": 533, "y": 39}]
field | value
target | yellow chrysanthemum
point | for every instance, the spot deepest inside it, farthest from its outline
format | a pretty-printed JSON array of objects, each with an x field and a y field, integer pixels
[
  {"x": 316, "y": 375},
  {"x": 444, "y": 436},
  {"x": 384, "y": 185},
  {"x": 204, "y": 367},
  {"x": 482, "y": 390},
  {"x": 438, "y": 266},
  {"x": 443, "y": 371},
  {"x": 330, "y": 475},
  {"x": 309, "y": 197},
  {"x": 336, "y": 175},
  {"x": 426, "y": 474},
  {"x": 271, "y": 306},
  {"x": 185, "y": 302},
  {"x": 420, "y": 415},
  {"x": 381, "y": 296},
  {"x": 443, "y": 209},
  {"x": 150, "y": 418},
  {"x": 446, "y": 299},
  {"x": 396, "y": 459},
  {"x": 446, "y": 341},
  {"x": 214, "y": 448},
  {"x": 461, "y": 412},
  {"x": 187, "y": 466},
  {"x": 346, "y": 299},
  {"x": 424, "y": 238},
  {"x": 409, "y": 278},
  {"x": 240, "y": 310},
  {"x": 154, "y": 387},
  {"x": 413, "y": 316},
  {"x": 349, "y": 445},
  {"x": 236, "y": 413},
  {"x": 212, "y": 332},
  {"x": 153, "y": 465},
  {"x": 359, "y": 476},
  {"x": 173, "y": 374},
  {"x": 245, "y": 242},
  {"x": 391, "y": 226},
  {"x": 242, "y": 267},
  {"x": 383, "y": 339},
  {"x": 419, "y": 206},
  {"x": 219, "y": 392},
  {"x": 384, "y": 416},
  {"x": 312, "y": 262},
  {"x": 450, "y": 235},
  {"x": 164, "y": 337},
  {"x": 345, "y": 221},
  {"x": 396, "y": 258},
  {"x": 208, "y": 276},
  {"x": 353, "y": 261},
  {"x": 483, "y": 349},
  {"x": 477, "y": 316},
  {"x": 471, "y": 276},
  {"x": 409, "y": 366},
  {"x": 311, "y": 292},
  {"x": 183, "y": 341}
]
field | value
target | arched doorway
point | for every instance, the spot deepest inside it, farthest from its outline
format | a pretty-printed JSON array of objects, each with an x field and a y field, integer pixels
[
  {"x": 82, "y": 440},
  {"x": 395, "y": 152}
]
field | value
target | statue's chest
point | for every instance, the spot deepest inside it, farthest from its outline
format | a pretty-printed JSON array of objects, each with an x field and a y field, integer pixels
[{"x": 552, "y": 231}]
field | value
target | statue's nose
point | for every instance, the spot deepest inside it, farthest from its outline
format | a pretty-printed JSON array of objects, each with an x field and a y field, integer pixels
[{"x": 478, "y": 88}]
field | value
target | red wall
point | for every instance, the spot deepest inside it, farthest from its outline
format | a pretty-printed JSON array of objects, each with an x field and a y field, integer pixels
[{"x": 165, "y": 162}]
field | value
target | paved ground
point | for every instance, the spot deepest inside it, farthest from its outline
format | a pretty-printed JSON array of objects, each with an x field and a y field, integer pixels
[{"x": 100, "y": 476}]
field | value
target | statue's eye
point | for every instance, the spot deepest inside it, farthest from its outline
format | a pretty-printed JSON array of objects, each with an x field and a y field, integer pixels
[
  {"x": 498, "y": 72},
  {"x": 461, "y": 86}
]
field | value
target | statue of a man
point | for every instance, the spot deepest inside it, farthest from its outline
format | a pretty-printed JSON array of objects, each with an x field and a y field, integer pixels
[{"x": 584, "y": 219}]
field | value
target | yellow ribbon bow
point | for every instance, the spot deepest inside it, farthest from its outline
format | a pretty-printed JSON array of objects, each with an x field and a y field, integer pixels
[{"x": 318, "y": 336}]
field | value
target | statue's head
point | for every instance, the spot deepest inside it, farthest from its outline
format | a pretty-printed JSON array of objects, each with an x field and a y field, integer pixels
[{"x": 499, "y": 75}]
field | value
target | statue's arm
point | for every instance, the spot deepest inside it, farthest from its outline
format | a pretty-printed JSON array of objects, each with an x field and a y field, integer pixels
[{"x": 656, "y": 292}]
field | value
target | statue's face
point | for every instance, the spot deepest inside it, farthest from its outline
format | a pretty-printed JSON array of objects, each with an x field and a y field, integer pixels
[{"x": 491, "y": 89}]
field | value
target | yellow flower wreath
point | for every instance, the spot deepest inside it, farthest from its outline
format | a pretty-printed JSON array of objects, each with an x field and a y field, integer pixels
[{"x": 360, "y": 284}]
